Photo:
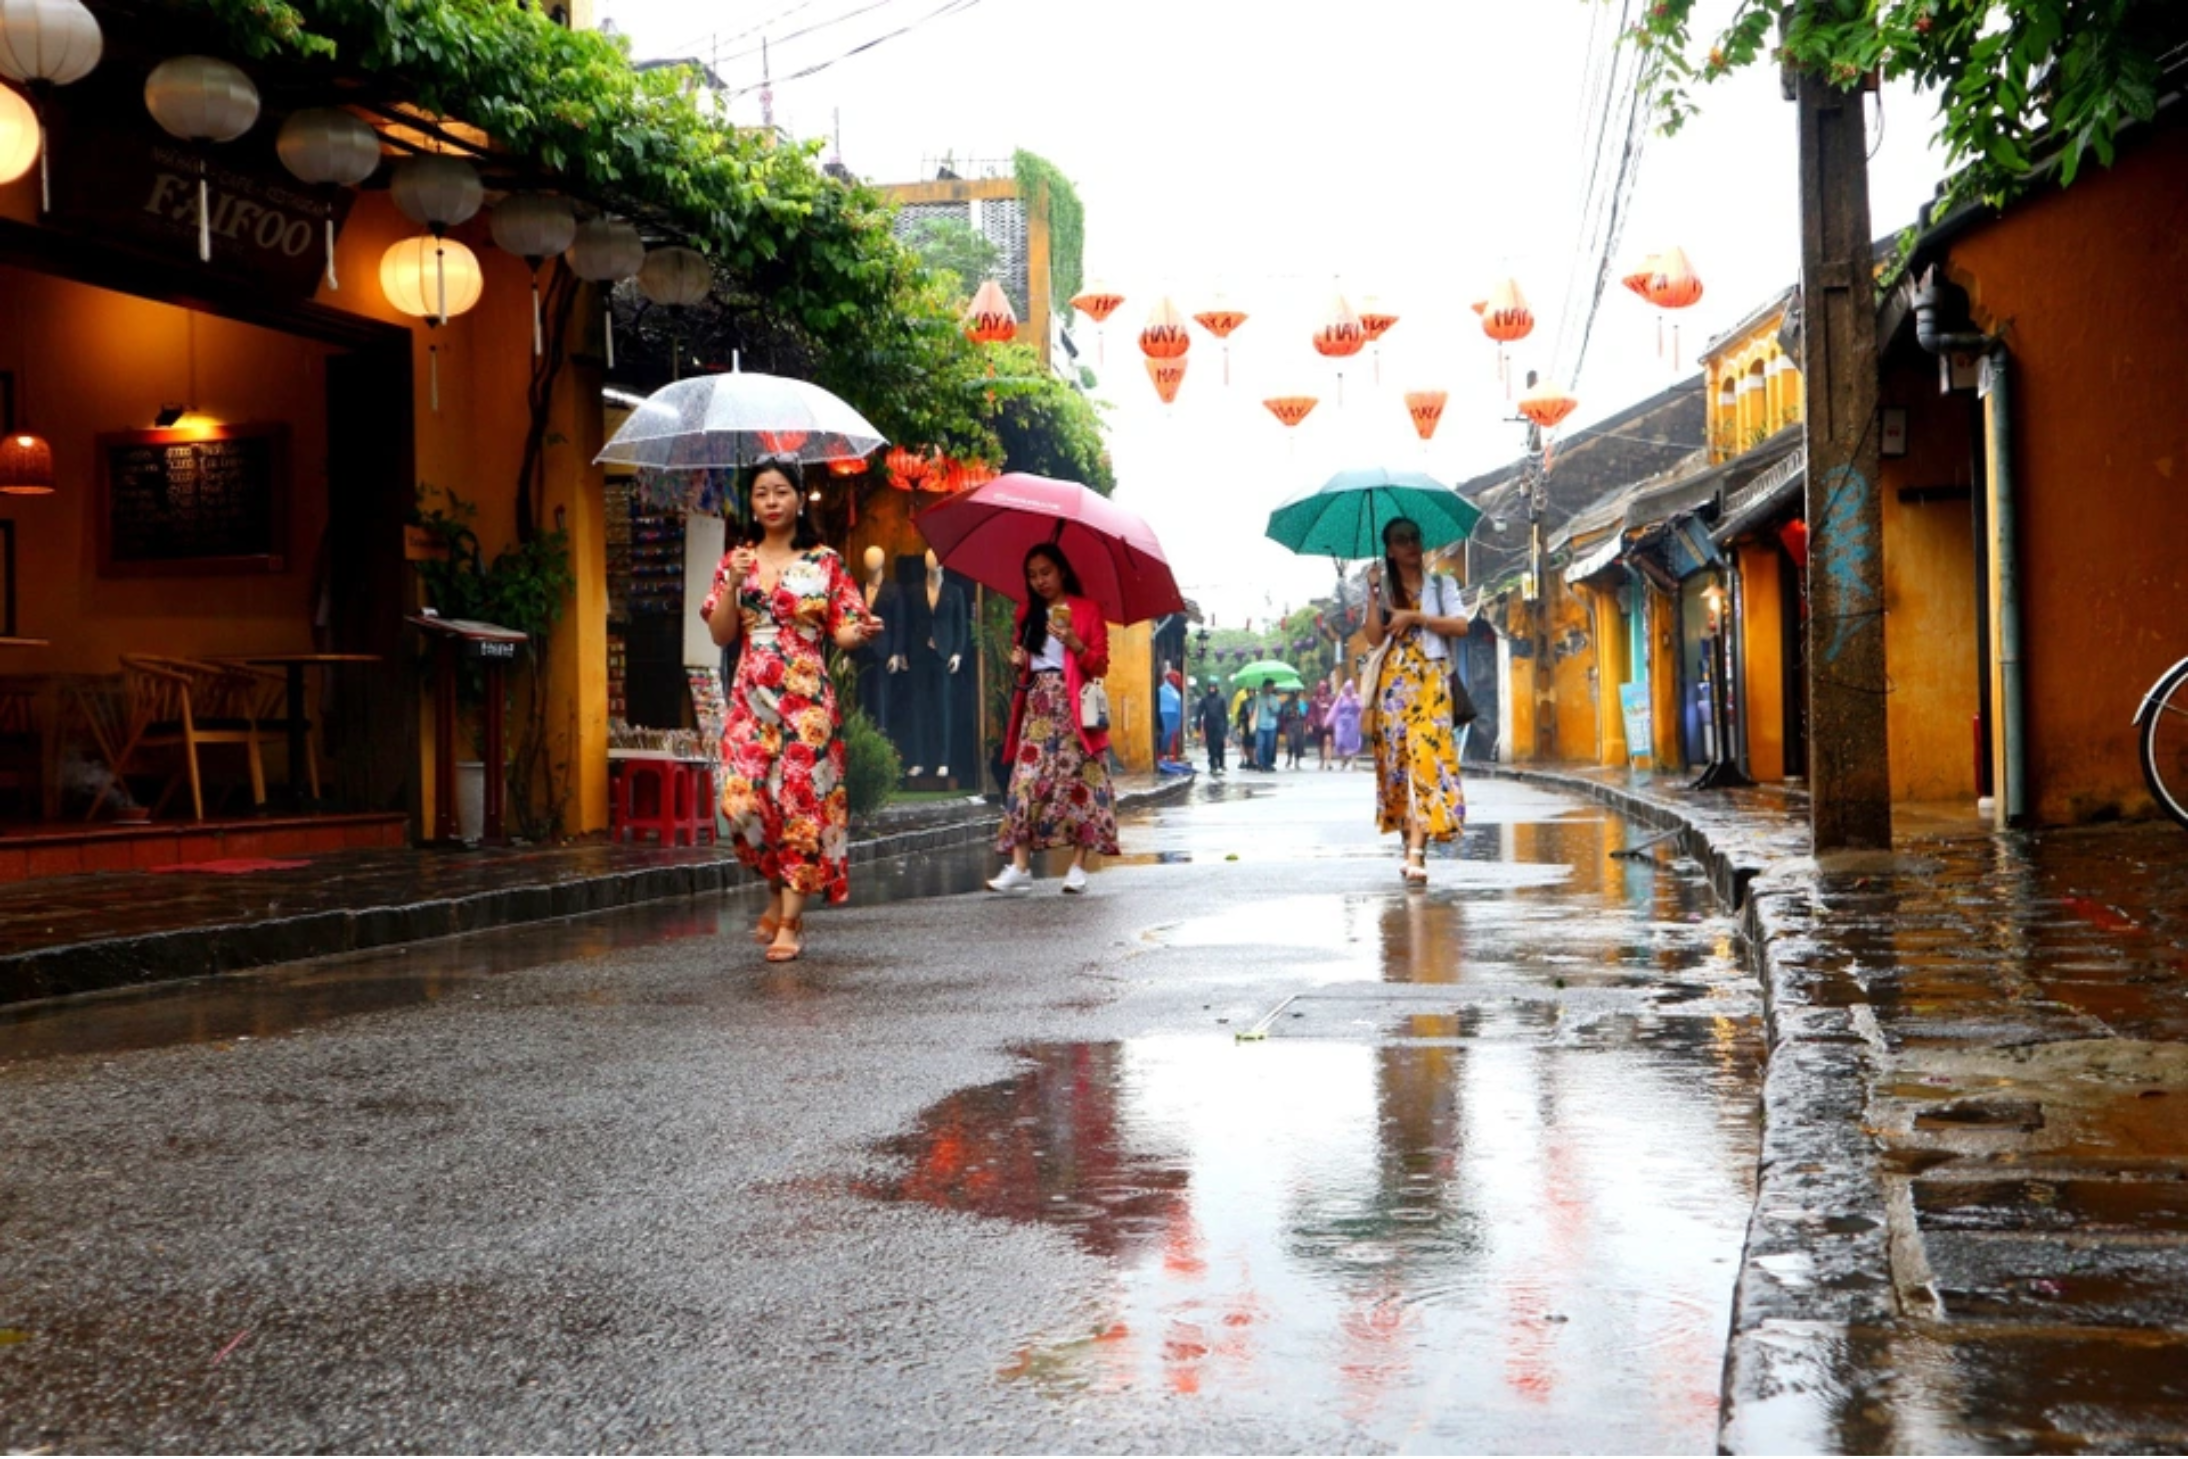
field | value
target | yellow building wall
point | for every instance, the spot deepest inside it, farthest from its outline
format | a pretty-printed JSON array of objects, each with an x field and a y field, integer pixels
[
  {"x": 1573, "y": 654},
  {"x": 1745, "y": 407},
  {"x": 121, "y": 357},
  {"x": 1612, "y": 661},
  {"x": 1762, "y": 658},
  {"x": 1930, "y": 595},
  {"x": 1663, "y": 631},
  {"x": 1131, "y": 695},
  {"x": 2101, "y": 458}
]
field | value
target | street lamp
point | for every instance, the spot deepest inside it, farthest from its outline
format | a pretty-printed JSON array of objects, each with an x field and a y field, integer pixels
[{"x": 1723, "y": 770}]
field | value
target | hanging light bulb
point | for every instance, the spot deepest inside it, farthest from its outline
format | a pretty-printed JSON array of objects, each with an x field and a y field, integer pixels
[
  {"x": 43, "y": 44},
  {"x": 201, "y": 99}
]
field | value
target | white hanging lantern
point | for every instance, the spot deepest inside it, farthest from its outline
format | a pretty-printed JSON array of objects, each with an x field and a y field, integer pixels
[
  {"x": 201, "y": 99},
  {"x": 47, "y": 43},
  {"x": 534, "y": 226},
  {"x": 606, "y": 251},
  {"x": 328, "y": 147},
  {"x": 434, "y": 279},
  {"x": 53, "y": 42},
  {"x": 19, "y": 139},
  {"x": 676, "y": 277},
  {"x": 438, "y": 191}
]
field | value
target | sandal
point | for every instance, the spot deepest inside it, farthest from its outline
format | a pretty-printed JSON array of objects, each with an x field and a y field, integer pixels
[
  {"x": 763, "y": 932},
  {"x": 794, "y": 928},
  {"x": 1415, "y": 870}
]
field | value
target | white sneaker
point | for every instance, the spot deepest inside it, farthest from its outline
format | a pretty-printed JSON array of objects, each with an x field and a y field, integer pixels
[
  {"x": 1010, "y": 879},
  {"x": 1075, "y": 880}
]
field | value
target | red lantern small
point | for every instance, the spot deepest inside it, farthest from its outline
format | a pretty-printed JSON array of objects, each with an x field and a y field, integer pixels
[
  {"x": 1426, "y": 408},
  {"x": 1220, "y": 321},
  {"x": 1165, "y": 336},
  {"x": 990, "y": 319},
  {"x": 782, "y": 442},
  {"x": 847, "y": 466},
  {"x": 906, "y": 468},
  {"x": 1505, "y": 316},
  {"x": 1168, "y": 375},
  {"x": 1291, "y": 409}
]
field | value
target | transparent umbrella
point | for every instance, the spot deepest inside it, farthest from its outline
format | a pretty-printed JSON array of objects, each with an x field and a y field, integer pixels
[{"x": 717, "y": 421}]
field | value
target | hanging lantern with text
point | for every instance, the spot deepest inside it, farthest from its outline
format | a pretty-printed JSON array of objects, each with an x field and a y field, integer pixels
[
  {"x": 1097, "y": 301},
  {"x": 201, "y": 99},
  {"x": 434, "y": 279},
  {"x": 1506, "y": 318},
  {"x": 43, "y": 44},
  {"x": 606, "y": 251},
  {"x": 1221, "y": 321},
  {"x": 326, "y": 146},
  {"x": 1674, "y": 285},
  {"x": 1168, "y": 375},
  {"x": 1165, "y": 337},
  {"x": 1546, "y": 406},
  {"x": 1426, "y": 408},
  {"x": 1340, "y": 336},
  {"x": 535, "y": 227},
  {"x": 990, "y": 319},
  {"x": 1291, "y": 409},
  {"x": 1375, "y": 322}
]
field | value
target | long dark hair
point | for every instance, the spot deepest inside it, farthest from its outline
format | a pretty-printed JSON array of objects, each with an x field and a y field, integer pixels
[
  {"x": 1033, "y": 627},
  {"x": 1399, "y": 597},
  {"x": 804, "y": 532}
]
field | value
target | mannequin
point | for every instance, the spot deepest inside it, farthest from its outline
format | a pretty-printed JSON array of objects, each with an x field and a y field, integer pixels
[
  {"x": 940, "y": 635},
  {"x": 884, "y": 599}
]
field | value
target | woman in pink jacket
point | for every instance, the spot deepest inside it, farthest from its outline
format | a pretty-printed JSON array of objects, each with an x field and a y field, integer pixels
[{"x": 1060, "y": 792}]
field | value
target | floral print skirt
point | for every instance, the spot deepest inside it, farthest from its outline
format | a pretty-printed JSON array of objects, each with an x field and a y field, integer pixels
[
  {"x": 1416, "y": 752},
  {"x": 1059, "y": 795},
  {"x": 782, "y": 788}
]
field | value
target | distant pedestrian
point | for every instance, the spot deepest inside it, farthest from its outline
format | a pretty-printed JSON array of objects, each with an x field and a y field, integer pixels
[
  {"x": 1060, "y": 792},
  {"x": 1215, "y": 723},
  {"x": 1411, "y": 613},
  {"x": 784, "y": 595},
  {"x": 1292, "y": 722},
  {"x": 1345, "y": 725},
  {"x": 1318, "y": 722},
  {"x": 1169, "y": 714},
  {"x": 1242, "y": 713},
  {"x": 1267, "y": 714}
]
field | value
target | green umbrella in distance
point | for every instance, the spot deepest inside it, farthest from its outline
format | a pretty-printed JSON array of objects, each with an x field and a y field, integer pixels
[
  {"x": 1344, "y": 516},
  {"x": 1282, "y": 675}
]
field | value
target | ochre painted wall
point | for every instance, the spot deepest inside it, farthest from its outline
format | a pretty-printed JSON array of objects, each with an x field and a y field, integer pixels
[
  {"x": 1573, "y": 652},
  {"x": 1663, "y": 631},
  {"x": 1762, "y": 658},
  {"x": 1131, "y": 709},
  {"x": 2086, "y": 284},
  {"x": 1608, "y": 654},
  {"x": 1930, "y": 592}
]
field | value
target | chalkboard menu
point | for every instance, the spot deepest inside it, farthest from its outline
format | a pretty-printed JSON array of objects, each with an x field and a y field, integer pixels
[{"x": 204, "y": 500}]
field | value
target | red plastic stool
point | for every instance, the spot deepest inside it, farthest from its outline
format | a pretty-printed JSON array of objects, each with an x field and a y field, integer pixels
[
  {"x": 702, "y": 802},
  {"x": 644, "y": 798}
]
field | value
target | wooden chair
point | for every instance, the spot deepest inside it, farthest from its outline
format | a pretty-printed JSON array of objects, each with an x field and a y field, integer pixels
[
  {"x": 267, "y": 701},
  {"x": 169, "y": 703}
]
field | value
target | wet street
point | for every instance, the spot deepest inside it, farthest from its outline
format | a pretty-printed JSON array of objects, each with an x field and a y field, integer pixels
[{"x": 1248, "y": 1149}]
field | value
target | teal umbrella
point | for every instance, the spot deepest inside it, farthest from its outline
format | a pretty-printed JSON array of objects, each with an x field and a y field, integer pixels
[
  {"x": 1345, "y": 516},
  {"x": 1283, "y": 674}
]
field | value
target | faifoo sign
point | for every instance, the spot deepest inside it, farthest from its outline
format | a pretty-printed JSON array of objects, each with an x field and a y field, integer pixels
[{"x": 118, "y": 176}]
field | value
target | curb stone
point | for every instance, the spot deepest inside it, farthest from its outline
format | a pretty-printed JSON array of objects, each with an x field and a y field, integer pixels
[
  {"x": 1806, "y": 1363},
  {"x": 209, "y": 951}
]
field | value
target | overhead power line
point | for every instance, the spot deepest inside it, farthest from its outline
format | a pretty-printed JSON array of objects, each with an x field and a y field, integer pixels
[{"x": 952, "y": 7}]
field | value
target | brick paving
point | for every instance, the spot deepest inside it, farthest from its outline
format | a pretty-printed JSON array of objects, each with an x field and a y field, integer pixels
[{"x": 1971, "y": 1230}]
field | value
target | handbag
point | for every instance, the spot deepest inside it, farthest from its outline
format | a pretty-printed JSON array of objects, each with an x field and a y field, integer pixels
[
  {"x": 1463, "y": 712},
  {"x": 1093, "y": 705}
]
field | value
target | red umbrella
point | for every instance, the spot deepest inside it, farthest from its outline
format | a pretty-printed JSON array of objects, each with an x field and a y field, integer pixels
[{"x": 985, "y": 534}]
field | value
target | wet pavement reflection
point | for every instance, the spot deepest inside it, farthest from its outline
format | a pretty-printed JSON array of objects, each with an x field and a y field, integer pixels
[{"x": 1484, "y": 1187}]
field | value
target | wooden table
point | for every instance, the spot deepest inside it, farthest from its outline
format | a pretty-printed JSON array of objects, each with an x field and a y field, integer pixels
[
  {"x": 294, "y": 665},
  {"x": 26, "y": 643}
]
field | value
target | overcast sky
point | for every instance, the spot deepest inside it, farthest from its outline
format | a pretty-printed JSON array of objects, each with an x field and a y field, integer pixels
[{"x": 1415, "y": 152}]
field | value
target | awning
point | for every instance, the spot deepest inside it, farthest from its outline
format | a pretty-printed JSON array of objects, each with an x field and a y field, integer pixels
[
  {"x": 1764, "y": 499},
  {"x": 1603, "y": 555}
]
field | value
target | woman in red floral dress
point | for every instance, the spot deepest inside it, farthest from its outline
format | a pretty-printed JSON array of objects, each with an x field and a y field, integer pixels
[{"x": 782, "y": 746}]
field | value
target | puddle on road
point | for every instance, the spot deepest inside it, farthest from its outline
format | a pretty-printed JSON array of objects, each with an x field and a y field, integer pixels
[{"x": 1487, "y": 1248}]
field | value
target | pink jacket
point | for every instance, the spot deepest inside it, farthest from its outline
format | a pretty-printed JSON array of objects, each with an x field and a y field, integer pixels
[{"x": 1090, "y": 663}]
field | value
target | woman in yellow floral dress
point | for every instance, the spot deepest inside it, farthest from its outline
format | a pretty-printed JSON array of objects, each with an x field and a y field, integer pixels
[
  {"x": 782, "y": 786},
  {"x": 1417, "y": 788}
]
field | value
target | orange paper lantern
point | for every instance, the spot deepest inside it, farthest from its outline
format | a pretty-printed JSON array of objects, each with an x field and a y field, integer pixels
[
  {"x": 1220, "y": 322},
  {"x": 1546, "y": 405},
  {"x": 905, "y": 468},
  {"x": 989, "y": 319},
  {"x": 783, "y": 442},
  {"x": 1505, "y": 316},
  {"x": 1165, "y": 337},
  {"x": 1674, "y": 285},
  {"x": 1168, "y": 375},
  {"x": 1340, "y": 335},
  {"x": 1096, "y": 302},
  {"x": 1426, "y": 408},
  {"x": 1638, "y": 280},
  {"x": 1291, "y": 409},
  {"x": 1376, "y": 322},
  {"x": 847, "y": 466}
]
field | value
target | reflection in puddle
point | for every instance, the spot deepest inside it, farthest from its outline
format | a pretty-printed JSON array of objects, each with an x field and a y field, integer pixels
[{"x": 1485, "y": 1247}]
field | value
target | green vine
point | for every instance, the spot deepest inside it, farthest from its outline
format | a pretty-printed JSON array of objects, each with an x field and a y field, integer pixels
[{"x": 1066, "y": 221}]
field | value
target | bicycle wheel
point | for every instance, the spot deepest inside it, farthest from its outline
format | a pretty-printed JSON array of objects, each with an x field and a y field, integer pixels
[{"x": 2164, "y": 721}]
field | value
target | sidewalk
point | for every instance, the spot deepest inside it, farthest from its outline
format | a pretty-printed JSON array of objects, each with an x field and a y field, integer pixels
[
  {"x": 81, "y": 934},
  {"x": 1971, "y": 1224}
]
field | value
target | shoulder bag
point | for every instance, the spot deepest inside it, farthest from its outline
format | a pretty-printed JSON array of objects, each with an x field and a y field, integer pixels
[{"x": 1463, "y": 712}]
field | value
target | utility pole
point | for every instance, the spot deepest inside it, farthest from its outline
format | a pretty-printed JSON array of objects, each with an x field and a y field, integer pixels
[
  {"x": 1850, "y": 781},
  {"x": 1534, "y": 482},
  {"x": 767, "y": 89}
]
